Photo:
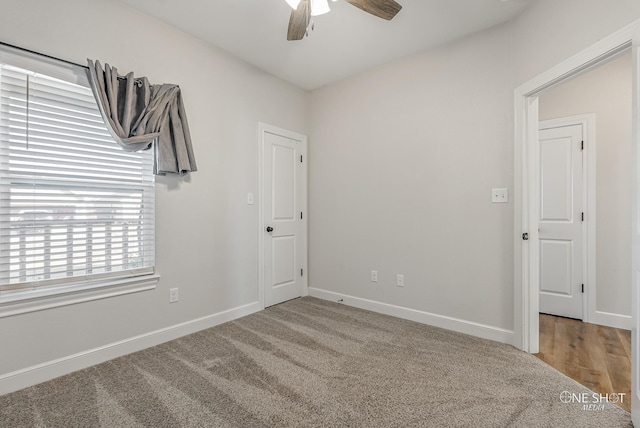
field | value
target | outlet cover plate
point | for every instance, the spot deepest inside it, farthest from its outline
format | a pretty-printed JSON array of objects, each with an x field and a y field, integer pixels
[
  {"x": 500, "y": 196},
  {"x": 173, "y": 295}
]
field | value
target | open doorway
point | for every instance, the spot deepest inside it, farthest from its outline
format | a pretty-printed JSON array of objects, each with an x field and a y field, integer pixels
[
  {"x": 526, "y": 248},
  {"x": 597, "y": 106},
  {"x": 584, "y": 232}
]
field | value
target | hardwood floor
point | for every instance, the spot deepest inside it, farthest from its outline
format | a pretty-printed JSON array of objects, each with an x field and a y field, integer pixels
[{"x": 596, "y": 356}]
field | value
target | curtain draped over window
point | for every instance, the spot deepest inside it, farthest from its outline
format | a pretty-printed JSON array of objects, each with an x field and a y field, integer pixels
[{"x": 138, "y": 115}]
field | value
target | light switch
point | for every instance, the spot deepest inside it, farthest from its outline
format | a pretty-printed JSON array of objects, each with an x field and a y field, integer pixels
[
  {"x": 499, "y": 196},
  {"x": 250, "y": 198}
]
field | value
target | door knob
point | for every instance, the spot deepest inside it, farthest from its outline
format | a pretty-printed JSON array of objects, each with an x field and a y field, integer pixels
[{"x": 269, "y": 229}]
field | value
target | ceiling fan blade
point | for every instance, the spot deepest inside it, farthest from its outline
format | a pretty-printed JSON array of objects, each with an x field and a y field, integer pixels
[
  {"x": 299, "y": 21},
  {"x": 385, "y": 9}
]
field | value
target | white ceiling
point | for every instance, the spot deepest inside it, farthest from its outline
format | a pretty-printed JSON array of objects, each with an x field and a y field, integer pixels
[{"x": 345, "y": 41}]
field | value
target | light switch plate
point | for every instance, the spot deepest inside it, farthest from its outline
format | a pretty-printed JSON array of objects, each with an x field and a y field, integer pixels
[
  {"x": 250, "y": 198},
  {"x": 500, "y": 196}
]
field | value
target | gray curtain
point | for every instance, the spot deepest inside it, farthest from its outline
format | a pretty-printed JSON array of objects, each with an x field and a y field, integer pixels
[{"x": 140, "y": 116}]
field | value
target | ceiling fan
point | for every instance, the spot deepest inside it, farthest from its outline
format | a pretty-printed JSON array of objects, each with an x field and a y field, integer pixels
[{"x": 303, "y": 10}]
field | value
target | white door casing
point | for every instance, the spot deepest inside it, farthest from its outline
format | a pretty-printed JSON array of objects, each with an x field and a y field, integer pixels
[
  {"x": 635, "y": 239},
  {"x": 526, "y": 254},
  {"x": 526, "y": 292},
  {"x": 282, "y": 220},
  {"x": 560, "y": 220}
]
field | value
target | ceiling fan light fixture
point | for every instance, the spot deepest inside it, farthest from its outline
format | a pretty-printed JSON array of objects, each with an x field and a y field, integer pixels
[
  {"x": 306, "y": 9},
  {"x": 319, "y": 7},
  {"x": 293, "y": 3}
]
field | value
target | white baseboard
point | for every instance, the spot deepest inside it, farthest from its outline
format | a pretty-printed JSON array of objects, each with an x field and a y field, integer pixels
[
  {"x": 29, "y": 376},
  {"x": 474, "y": 329},
  {"x": 611, "y": 320}
]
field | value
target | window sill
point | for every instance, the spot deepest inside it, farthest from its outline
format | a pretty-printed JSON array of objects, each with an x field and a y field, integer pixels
[{"x": 23, "y": 302}]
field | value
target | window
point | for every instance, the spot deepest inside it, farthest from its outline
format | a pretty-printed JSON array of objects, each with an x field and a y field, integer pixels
[{"x": 75, "y": 209}]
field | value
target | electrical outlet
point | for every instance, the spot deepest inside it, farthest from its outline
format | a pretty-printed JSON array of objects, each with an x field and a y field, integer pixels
[
  {"x": 374, "y": 276},
  {"x": 499, "y": 196},
  {"x": 173, "y": 295},
  {"x": 400, "y": 280}
]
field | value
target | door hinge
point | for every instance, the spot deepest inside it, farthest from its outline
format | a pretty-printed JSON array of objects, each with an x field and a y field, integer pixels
[
  {"x": 582, "y": 145},
  {"x": 301, "y": 272},
  {"x": 300, "y": 158},
  {"x": 583, "y": 288},
  {"x": 300, "y": 215},
  {"x": 583, "y": 216},
  {"x": 525, "y": 236}
]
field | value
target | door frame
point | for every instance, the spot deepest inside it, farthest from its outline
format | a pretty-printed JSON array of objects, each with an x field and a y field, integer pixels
[
  {"x": 526, "y": 290},
  {"x": 262, "y": 129},
  {"x": 588, "y": 124}
]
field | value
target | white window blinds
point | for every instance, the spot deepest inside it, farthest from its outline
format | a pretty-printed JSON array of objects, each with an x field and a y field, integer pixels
[{"x": 73, "y": 205}]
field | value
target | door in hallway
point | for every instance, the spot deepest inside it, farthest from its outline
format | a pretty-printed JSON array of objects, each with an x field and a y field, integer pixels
[{"x": 560, "y": 222}]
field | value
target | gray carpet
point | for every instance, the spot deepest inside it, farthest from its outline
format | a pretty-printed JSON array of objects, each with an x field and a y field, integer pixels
[{"x": 311, "y": 363}]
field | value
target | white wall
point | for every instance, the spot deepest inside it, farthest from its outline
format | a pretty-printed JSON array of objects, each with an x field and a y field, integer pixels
[
  {"x": 403, "y": 159},
  {"x": 550, "y": 31},
  {"x": 606, "y": 91},
  {"x": 207, "y": 242}
]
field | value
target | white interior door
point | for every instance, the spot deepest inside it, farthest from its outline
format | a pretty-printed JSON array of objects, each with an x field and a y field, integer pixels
[
  {"x": 560, "y": 229},
  {"x": 283, "y": 226}
]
